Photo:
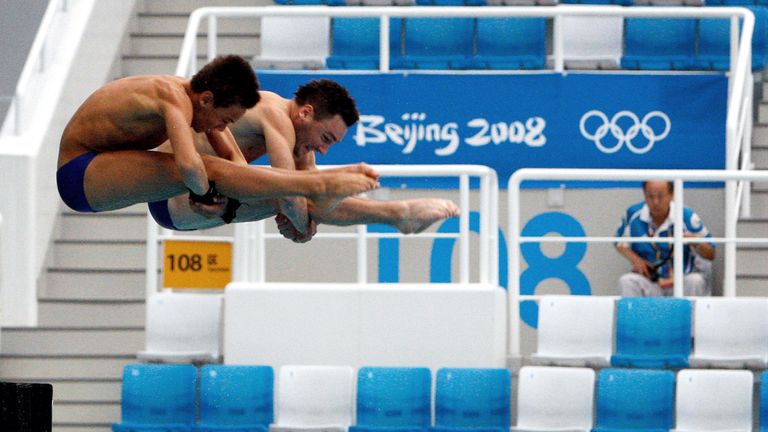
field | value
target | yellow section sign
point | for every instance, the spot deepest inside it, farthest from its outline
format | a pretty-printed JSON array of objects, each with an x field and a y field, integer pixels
[{"x": 197, "y": 264}]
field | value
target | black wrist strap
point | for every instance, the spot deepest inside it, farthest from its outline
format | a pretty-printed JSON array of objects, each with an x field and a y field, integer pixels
[
  {"x": 230, "y": 213},
  {"x": 207, "y": 198}
]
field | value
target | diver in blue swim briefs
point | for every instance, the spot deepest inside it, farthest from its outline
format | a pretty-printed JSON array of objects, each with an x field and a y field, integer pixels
[
  {"x": 290, "y": 131},
  {"x": 104, "y": 162}
]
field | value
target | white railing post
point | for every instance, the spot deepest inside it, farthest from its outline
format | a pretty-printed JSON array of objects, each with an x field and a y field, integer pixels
[
  {"x": 677, "y": 218},
  {"x": 212, "y": 37},
  {"x": 362, "y": 254},
  {"x": 464, "y": 229},
  {"x": 384, "y": 44},
  {"x": 153, "y": 243}
]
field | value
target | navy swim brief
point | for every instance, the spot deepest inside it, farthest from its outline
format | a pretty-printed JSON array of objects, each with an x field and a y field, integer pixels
[
  {"x": 161, "y": 215},
  {"x": 70, "y": 181}
]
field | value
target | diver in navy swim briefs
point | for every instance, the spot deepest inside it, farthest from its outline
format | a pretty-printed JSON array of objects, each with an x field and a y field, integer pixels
[
  {"x": 290, "y": 132},
  {"x": 104, "y": 162}
]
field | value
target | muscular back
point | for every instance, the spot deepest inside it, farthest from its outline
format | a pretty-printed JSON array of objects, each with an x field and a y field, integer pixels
[{"x": 126, "y": 114}]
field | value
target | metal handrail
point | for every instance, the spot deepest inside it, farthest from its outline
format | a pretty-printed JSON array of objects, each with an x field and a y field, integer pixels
[
  {"x": 248, "y": 240},
  {"x": 36, "y": 63}
]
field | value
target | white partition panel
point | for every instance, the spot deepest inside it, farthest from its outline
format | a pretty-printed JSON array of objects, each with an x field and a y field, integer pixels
[{"x": 433, "y": 325}]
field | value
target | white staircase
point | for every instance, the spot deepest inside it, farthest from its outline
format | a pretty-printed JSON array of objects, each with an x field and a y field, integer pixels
[
  {"x": 91, "y": 298},
  {"x": 751, "y": 271}
]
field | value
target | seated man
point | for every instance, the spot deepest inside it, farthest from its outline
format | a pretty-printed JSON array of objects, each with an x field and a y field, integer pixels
[
  {"x": 289, "y": 131},
  {"x": 652, "y": 271},
  {"x": 104, "y": 163}
]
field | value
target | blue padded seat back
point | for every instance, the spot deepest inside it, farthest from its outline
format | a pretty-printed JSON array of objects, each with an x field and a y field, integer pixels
[
  {"x": 356, "y": 42},
  {"x": 715, "y": 44},
  {"x": 437, "y": 43},
  {"x": 599, "y": 2},
  {"x": 450, "y": 3},
  {"x": 511, "y": 43},
  {"x": 653, "y": 332},
  {"x": 311, "y": 2},
  {"x": 394, "y": 397},
  {"x": 473, "y": 398},
  {"x": 236, "y": 395},
  {"x": 155, "y": 394},
  {"x": 635, "y": 399},
  {"x": 764, "y": 401},
  {"x": 659, "y": 43}
]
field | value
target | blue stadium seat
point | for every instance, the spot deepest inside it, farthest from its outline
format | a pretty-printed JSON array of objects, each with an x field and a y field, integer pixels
[
  {"x": 393, "y": 400},
  {"x": 450, "y": 3},
  {"x": 764, "y": 402},
  {"x": 510, "y": 43},
  {"x": 311, "y": 2},
  {"x": 356, "y": 42},
  {"x": 653, "y": 332},
  {"x": 715, "y": 43},
  {"x": 436, "y": 43},
  {"x": 472, "y": 400},
  {"x": 659, "y": 44},
  {"x": 729, "y": 2},
  {"x": 158, "y": 397},
  {"x": 236, "y": 398},
  {"x": 599, "y": 2},
  {"x": 635, "y": 400}
]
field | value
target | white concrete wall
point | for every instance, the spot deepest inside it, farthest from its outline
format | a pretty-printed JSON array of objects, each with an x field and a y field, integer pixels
[{"x": 439, "y": 325}]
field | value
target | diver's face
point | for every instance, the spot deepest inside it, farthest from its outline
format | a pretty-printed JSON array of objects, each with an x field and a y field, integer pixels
[{"x": 318, "y": 135}]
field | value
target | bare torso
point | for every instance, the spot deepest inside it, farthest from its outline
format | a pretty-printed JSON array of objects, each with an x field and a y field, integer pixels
[{"x": 126, "y": 114}]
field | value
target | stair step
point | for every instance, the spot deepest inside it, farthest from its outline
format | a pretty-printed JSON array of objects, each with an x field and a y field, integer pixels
[
  {"x": 107, "y": 226},
  {"x": 752, "y": 228},
  {"x": 53, "y": 341},
  {"x": 44, "y": 369},
  {"x": 751, "y": 261},
  {"x": 102, "y": 414},
  {"x": 123, "y": 255},
  {"x": 176, "y": 23},
  {"x": 760, "y": 159},
  {"x": 187, "y": 6},
  {"x": 759, "y": 203},
  {"x": 138, "y": 65},
  {"x": 89, "y": 313},
  {"x": 81, "y": 428},
  {"x": 135, "y": 209},
  {"x": 64, "y": 283},
  {"x": 759, "y": 134},
  {"x": 751, "y": 286},
  {"x": 246, "y": 44},
  {"x": 87, "y": 391}
]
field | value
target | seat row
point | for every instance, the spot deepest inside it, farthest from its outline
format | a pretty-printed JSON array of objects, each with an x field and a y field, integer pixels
[
  {"x": 509, "y": 43},
  {"x": 322, "y": 398},
  {"x": 521, "y": 2},
  {"x": 240, "y": 398},
  {"x": 653, "y": 332}
]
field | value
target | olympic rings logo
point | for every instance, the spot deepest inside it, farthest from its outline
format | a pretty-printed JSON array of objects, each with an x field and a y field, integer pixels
[{"x": 625, "y": 137}]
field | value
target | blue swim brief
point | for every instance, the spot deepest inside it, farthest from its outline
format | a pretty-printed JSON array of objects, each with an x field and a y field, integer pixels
[
  {"x": 161, "y": 215},
  {"x": 70, "y": 181}
]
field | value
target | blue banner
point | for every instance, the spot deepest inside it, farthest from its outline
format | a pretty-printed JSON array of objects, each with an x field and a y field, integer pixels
[{"x": 511, "y": 121}]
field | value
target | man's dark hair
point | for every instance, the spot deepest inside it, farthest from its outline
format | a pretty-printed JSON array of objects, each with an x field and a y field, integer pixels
[
  {"x": 670, "y": 186},
  {"x": 231, "y": 80},
  {"x": 328, "y": 98}
]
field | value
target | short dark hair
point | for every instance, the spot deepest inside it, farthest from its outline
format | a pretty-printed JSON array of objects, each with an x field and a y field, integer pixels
[
  {"x": 670, "y": 186},
  {"x": 328, "y": 98},
  {"x": 231, "y": 80}
]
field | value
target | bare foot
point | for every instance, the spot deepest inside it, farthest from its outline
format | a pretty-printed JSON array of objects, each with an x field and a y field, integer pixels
[
  {"x": 340, "y": 183},
  {"x": 361, "y": 168},
  {"x": 421, "y": 213}
]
